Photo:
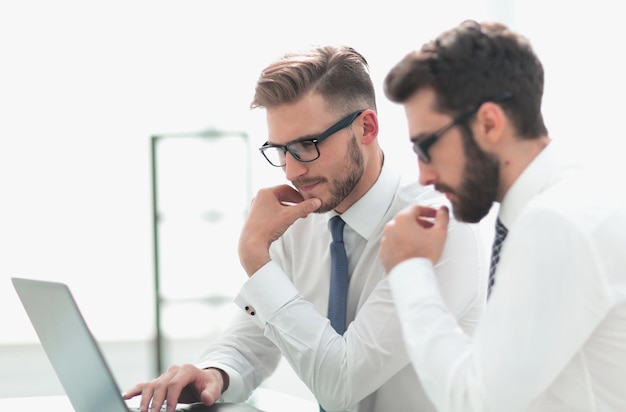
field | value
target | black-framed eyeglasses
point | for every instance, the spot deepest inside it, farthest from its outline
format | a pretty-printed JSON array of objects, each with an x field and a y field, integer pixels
[
  {"x": 304, "y": 150},
  {"x": 421, "y": 146}
]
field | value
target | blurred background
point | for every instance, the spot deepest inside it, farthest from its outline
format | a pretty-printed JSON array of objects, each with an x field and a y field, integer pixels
[{"x": 87, "y": 88}]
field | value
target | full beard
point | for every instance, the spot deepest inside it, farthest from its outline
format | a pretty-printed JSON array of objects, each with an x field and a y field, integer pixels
[{"x": 479, "y": 189}]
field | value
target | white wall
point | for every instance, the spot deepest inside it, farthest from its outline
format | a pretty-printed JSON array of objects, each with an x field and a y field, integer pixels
[{"x": 84, "y": 84}]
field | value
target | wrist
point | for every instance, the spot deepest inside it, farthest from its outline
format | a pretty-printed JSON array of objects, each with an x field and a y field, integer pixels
[
  {"x": 252, "y": 257},
  {"x": 224, "y": 376}
]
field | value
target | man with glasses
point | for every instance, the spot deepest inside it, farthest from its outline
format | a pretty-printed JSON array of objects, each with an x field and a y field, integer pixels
[
  {"x": 553, "y": 337},
  {"x": 322, "y": 131}
]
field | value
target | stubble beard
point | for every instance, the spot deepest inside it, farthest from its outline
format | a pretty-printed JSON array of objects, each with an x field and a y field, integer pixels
[{"x": 340, "y": 187}]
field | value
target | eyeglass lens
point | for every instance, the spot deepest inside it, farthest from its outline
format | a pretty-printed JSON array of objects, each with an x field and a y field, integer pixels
[{"x": 304, "y": 151}]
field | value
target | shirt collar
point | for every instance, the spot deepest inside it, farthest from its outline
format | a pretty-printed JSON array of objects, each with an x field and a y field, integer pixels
[
  {"x": 537, "y": 176},
  {"x": 364, "y": 215}
]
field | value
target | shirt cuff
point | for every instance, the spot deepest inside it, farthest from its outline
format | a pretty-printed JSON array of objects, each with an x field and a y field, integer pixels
[
  {"x": 235, "y": 392},
  {"x": 267, "y": 290}
]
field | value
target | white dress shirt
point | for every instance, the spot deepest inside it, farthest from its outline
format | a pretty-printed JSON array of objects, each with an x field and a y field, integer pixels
[
  {"x": 554, "y": 333},
  {"x": 284, "y": 306}
]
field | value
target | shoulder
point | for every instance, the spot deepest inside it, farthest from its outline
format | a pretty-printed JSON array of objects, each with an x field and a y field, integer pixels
[
  {"x": 415, "y": 193},
  {"x": 578, "y": 201}
]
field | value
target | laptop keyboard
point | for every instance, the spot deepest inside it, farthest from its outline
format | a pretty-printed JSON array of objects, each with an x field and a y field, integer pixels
[{"x": 163, "y": 409}]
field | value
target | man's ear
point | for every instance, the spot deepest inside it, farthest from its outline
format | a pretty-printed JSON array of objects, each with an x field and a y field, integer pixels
[
  {"x": 369, "y": 122},
  {"x": 491, "y": 123}
]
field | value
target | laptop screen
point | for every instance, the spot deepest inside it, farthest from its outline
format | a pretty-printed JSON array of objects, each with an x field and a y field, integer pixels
[
  {"x": 76, "y": 356},
  {"x": 70, "y": 346}
]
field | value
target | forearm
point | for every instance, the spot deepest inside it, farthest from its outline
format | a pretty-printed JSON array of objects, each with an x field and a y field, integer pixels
[
  {"x": 518, "y": 350},
  {"x": 340, "y": 370},
  {"x": 244, "y": 355}
]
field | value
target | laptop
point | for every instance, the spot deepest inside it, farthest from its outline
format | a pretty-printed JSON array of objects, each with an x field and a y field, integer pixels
[{"x": 75, "y": 354}]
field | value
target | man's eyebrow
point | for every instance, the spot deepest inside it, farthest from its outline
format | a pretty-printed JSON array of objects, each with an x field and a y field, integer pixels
[
  {"x": 297, "y": 140},
  {"x": 308, "y": 137}
]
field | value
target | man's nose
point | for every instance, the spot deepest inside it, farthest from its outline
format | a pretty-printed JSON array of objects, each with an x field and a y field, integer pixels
[
  {"x": 293, "y": 167},
  {"x": 427, "y": 174}
]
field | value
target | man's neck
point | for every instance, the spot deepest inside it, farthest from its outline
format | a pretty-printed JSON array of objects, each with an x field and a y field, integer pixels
[{"x": 516, "y": 159}]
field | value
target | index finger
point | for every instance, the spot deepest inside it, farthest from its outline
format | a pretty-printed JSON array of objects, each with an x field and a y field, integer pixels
[
  {"x": 134, "y": 391},
  {"x": 442, "y": 218},
  {"x": 425, "y": 216},
  {"x": 426, "y": 211},
  {"x": 159, "y": 392},
  {"x": 288, "y": 194}
]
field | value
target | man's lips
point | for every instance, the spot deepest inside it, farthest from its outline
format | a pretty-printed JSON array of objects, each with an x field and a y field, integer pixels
[
  {"x": 306, "y": 186},
  {"x": 446, "y": 191},
  {"x": 451, "y": 196}
]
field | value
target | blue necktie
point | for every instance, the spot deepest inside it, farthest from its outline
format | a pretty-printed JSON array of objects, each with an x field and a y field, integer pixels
[
  {"x": 501, "y": 232},
  {"x": 338, "y": 294}
]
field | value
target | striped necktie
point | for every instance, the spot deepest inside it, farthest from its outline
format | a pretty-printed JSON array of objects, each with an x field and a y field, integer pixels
[{"x": 501, "y": 232}]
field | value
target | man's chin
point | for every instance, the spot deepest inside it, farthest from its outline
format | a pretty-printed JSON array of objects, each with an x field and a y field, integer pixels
[
  {"x": 467, "y": 216},
  {"x": 325, "y": 207}
]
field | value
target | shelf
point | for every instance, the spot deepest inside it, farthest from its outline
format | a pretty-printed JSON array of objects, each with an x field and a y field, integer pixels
[{"x": 201, "y": 189}]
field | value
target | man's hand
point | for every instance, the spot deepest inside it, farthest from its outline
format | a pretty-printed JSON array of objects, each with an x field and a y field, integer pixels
[
  {"x": 272, "y": 211},
  {"x": 417, "y": 231},
  {"x": 180, "y": 384}
]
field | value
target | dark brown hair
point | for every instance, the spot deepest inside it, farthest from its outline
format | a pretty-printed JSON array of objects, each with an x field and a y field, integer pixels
[{"x": 473, "y": 63}]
